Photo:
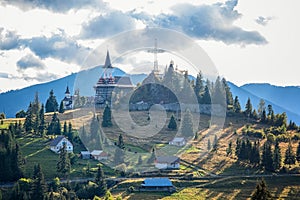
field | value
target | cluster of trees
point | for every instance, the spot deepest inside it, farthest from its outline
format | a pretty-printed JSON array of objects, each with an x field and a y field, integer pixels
[
  {"x": 269, "y": 157},
  {"x": 11, "y": 160},
  {"x": 37, "y": 188},
  {"x": 34, "y": 117}
]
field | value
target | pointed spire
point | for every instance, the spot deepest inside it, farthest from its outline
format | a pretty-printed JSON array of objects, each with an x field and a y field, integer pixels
[
  {"x": 67, "y": 90},
  {"x": 107, "y": 61}
]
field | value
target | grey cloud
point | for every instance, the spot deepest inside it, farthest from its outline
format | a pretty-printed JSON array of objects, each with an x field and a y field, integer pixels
[
  {"x": 58, "y": 46},
  {"x": 8, "y": 39},
  {"x": 214, "y": 22},
  {"x": 107, "y": 25},
  {"x": 40, "y": 77},
  {"x": 55, "y": 5},
  {"x": 263, "y": 20},
  {"x": 30, "y": 61}
]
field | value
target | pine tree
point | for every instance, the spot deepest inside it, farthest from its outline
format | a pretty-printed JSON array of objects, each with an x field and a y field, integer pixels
[
  {"x": 63, "y": 165},
  {"x": 140, "y": 160},
  {"x": 215, "y": 142},
  {"x": 100, "y": 181},
  {"x": 54, "y": 127},
  {"x": 108, "y": 196},
  {"x": 152, "y": 157},
  {"x": 42, "y": 121},
  {"x": 187, "y": 124},
  {"x": 38, "y": 186},
  {"x": 267, "y": 157},
  {"x": 261, "y": 192},
  {"x": 106, "y": 117},
  {"x": 229, "y": 149},
  {"x": 65, "y": 129},
  {"x": 219, "y": 96},
  {"x": 248, "y": 108},
  {"x": 277, "y": 157},
  {"x": 263, "y": 117},
  {"x": 298, "y": 153},
  {"x": 70, "y": 132},
  {"x": 61, "y": 107},
  {"x": 120, "y": 143},
  {"x": 229, "y": 98},
  {"x": 172, "y": 124},
  {"x": 51, "y": 103},
  {"x": 199, "y": 86},
  {"x": 28, "y": 124},
  {"x": 119, "y": 156},
  {"x": 208, "y": 145},
  {"x": 255, "y": 156},
  {"x": 206, "y": 98},
  {"x": 236, "y": 105},
  {"x": 290, "y": 158},
  {"x": 238, "y": 147}
]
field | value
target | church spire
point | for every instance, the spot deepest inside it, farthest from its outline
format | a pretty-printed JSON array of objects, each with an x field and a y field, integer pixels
[
  {"x": 67, "y": 90},
  {"x": 107, "y": 61}
]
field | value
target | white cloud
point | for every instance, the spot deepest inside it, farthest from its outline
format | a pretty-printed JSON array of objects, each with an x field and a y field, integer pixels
[{"x": 30, "y": 61}]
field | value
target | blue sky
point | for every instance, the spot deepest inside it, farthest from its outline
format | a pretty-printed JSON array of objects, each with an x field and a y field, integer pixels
[{"x": 249, "y": 41}]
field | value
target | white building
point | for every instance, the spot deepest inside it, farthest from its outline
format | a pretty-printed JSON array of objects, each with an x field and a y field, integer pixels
[
  {"x": 178, "y": 141},
  {"x": 167, "y": 162},
  {"x": 58, "y": 143},
  {"x": 99, "y": 155}
]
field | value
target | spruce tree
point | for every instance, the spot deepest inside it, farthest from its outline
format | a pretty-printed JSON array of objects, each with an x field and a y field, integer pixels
[
  {"x": 236, "y": 105},
  {"x": 42, "y": 120},
  {"x": 61, "y": 107},
  {"x": 206, "y": 98},
  {"x": 106, "y": 122},
  {"x": 120, "y": 143},
  {"x": 277, "y": 157},
  {"x": 172, "y": 124},
  {"x": 70, "y": 132},
  {"x": 290, "y": 158},
  {"x": 63, "y": 165},
  {"x": 229, "y": 149},
  {"x": 119, "y": 156},
  {"x": 187, "y": 124},
  {"x": 199, "y": 86},
  {"x": 267, "y": 157},
  {"x": 215, "y": 142},
  {"x": 298, "y": 152},
  {"x": 65, "y": 129},
  {"x": 38, "y": 186},
  {"x": 229, "y": 98},
  {"x": 51, "y": 103},
  {"x": 261, "y": 108},
  {"x": 261, "y": 192},
  {"x": 55, "y": 126},
  {"x": 248, "y": 108},
  {"x": 100, "y": 181},
  {"x": 208, "y": 145},
  {"x": 28, "y": 124},
  {"x": 152, "y": 157}
]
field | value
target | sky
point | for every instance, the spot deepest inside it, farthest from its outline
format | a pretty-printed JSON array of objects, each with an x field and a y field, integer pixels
[{"x": 248, "y": 41}]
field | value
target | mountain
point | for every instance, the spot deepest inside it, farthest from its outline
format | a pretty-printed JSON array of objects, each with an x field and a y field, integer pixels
[
  {"x": 13, "y": 101},
  {"x": 255, "y": 97},
  {"x": 287, "y": 97}
]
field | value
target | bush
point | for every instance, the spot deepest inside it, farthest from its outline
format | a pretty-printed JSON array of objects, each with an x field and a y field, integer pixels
[{"x": 282, "y": 138}]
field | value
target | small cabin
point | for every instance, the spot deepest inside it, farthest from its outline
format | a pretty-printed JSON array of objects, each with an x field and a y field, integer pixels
[
  {"x": 85, "y": 155},
  {"x": 167, "y": 162},
  {"x": 58, "y": 143},
  {"x": 157, "y": 184},
  {"x": 99, "y": 155}
]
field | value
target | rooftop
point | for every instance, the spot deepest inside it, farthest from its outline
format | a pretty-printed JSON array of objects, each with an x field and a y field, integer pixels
[
  {"x": 157, "y": 182},
  {"x": 167, "y": 159},
  {"x": 57, "y": 140}
]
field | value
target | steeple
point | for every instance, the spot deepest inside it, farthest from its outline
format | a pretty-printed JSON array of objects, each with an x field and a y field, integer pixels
[
  {"x": 107, "y": 61},
  {"x": 67, "y": 90}
]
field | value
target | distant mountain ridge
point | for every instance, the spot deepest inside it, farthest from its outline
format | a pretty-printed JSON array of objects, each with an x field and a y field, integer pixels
[
  {"x": 287, "y": 97},
  {"x": 13, "y": 101}
]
